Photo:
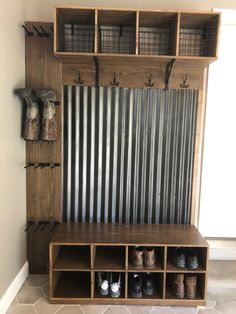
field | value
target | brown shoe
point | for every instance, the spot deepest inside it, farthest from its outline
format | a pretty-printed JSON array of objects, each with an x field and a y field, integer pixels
[
  {"x": 136, "y": 256},
  {"x": 149, "y": 258},
  {"x": 191, "y": 285},
  {"x": 178, "y": 286}
]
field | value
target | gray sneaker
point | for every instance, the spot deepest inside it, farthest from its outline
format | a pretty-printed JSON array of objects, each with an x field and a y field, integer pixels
[
  {"x": 103, "y": 285},
  {"x": 115, "y": 286}
]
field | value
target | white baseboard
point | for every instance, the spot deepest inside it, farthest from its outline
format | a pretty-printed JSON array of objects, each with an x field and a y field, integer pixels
[
  {"x": 13, "y": 289},
  {"x": 222, "y": 249}
]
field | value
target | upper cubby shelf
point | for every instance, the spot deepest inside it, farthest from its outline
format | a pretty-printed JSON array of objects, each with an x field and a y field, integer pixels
[{"x": 116, "y": 34}]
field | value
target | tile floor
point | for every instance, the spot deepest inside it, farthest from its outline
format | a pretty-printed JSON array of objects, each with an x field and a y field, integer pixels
[{"x": 32, "y": 297}]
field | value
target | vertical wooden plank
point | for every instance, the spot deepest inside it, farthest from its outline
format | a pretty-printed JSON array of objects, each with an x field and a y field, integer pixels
[
  {"x": 177, "y": 34},
  {"x": 137, "y": 33},
  {"x": 198, "y": 150},
  {"x": 96, "y": 32}
]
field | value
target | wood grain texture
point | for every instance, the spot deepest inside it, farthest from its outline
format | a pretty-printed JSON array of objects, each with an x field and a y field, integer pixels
[
  {"x": 117, "y": 234},
  {"x": 43, "y": 70}
]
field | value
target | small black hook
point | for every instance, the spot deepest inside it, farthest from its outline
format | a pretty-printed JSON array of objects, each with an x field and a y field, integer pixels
[
  {"x": 79, "y": 81},
  {"x": 149, "y": 83},
  {"x": 115, "y": 82},
  {"x": 29, "y": 225},
  {"x": 183, "y": 84},
  {"x": 46, "y": 34},
  {"x": 38, "y": 32},
  {"x": 52, "y": 29},
  {"x": 29, "y": 164},
  {"x": 28, "y": 33}
]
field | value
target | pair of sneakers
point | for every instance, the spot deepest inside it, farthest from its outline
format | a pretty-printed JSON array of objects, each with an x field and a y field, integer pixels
[{"x": 109, "y": 283}]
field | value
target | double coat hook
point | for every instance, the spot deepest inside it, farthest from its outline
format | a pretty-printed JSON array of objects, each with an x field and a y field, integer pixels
[
  {"x": 184, "y": 83},
  {"x": 114, "y": 81},
  {"x": 149, "y": 83}
]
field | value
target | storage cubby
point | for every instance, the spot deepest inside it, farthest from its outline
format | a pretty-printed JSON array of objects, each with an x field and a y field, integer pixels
[
  {"x": 115, "y": 275},
  {"x": 116, "y": 32},
  {"x": 200, "y": 292},
  {"x": 73, "y": 285},
  {"x": 198, "y": 34},
  {"x": 73, "y": 257},
  {"x": 159, "y": 264},
  {"x": 201, "y": 254},
  {"x": 109, "y": 258},
  {"x": 157, "y": 33},
  {"x": 75, "y": 30},
  {"x": 108, "y": 248},
  {"x": 158, "y": 284}
]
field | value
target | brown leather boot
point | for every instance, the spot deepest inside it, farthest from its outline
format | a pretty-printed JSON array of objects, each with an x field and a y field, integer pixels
[
  {"x": 191, "y": 285},
  {"x": 136, "y": 256},
  {"x": 149, "y": 258},
  {"x": 178, "y": 286}
]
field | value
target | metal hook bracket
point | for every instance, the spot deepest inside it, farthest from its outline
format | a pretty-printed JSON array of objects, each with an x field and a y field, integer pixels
[
  {"x": 96, "y": 71},
  {"x": 149, "y": 83},
  {"x": 114, "y": 81},
  {"x": 183, "y": 84},
  {"x": 79, "y": 81},
  {"x": 168, "y": 71},
  {"x": 28, "y": 33}
]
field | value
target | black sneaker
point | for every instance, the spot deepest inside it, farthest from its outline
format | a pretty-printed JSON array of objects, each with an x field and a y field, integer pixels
[
  {"x": 148, "y": 288},
  {"x": 136, "y": 286},
  {"x": 103, "y": 285},
  {"x": 115, "y": 285}
]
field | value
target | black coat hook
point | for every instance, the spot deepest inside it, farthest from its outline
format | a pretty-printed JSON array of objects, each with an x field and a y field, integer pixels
[
  {"x": 79, "y": 81},
  {"x": 40, "y": 34},
  {"x": 52, "y": 29},
  {"x": 28, "y": 33},
  {"x": 29, "y": 164},
  {"x": 115, "y": 82},
  {"x": 149, "y": 83},
  {"x": 183, "y": 84},
  {"x": 46, "y": 34},
  {"x": 29, "y": 225}
]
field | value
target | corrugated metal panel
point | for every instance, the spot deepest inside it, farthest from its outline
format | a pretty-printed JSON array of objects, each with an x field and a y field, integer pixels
[{"x": 128, "y": 154}]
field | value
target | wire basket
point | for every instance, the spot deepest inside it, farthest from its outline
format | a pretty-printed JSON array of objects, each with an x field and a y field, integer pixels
[
  {"x": 117, "y": 39},
  {"x": 79, "y": 38},
  {"x": 155, "y": 41},
  {"x": 199, "y": 40}
]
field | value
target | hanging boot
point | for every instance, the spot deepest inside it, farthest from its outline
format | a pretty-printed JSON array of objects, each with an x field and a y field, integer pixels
[
  {"x": 49, "y": 124},
  {"x": 31, "y": 120}
]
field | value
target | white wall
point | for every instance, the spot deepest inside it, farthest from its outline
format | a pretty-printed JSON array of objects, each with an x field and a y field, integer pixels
[
  {"x": 42, "y": 10},
  {"x": 218, "y": 202},
  {"x": 12, "y": 147}
]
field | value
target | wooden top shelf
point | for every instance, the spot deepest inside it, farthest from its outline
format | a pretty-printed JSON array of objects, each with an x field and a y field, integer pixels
[
  {"x": 123, "y": 234},
  {"x": 114, "y": 34}
]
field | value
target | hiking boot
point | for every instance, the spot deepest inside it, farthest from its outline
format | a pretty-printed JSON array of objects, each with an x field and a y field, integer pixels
[
  {"x": 148, "y": 288},
  {"x": 179, "y": 258},
  {"x": 149, "y": 257},
  {"x": 115, "y": 285},
  {"x": 136, "y": 286},
  {"x": 178, "y": 286},
  {"x": 49, "y": 124},
  {"x": 103, "y": 285},
  {"x": 191, "y": 285},
  {"x": 136, "y": 256},
  {"x": 192, "y": 260},
  {"x": 32, "y": 119}
]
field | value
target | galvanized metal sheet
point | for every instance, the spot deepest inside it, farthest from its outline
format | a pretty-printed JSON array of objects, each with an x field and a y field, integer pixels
[{"x": 128, "y": 154}]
